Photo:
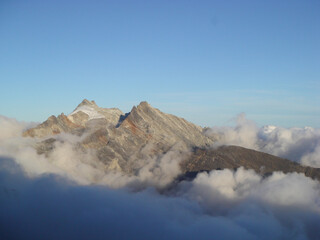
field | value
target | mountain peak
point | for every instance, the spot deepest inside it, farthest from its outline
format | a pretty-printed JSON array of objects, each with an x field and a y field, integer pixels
[
  {"x": 144, "y": 105},
  {"x": 86, "y": 102}
]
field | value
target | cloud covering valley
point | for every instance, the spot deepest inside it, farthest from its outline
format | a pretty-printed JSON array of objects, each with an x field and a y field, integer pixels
[{"x": 69, "y": 195}]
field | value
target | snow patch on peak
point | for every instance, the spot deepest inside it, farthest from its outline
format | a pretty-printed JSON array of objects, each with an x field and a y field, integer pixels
[{"x": 90, "y": 111}]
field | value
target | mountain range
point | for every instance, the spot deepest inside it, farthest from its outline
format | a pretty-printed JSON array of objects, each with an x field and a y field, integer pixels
[{"x": 125, "y": 142}]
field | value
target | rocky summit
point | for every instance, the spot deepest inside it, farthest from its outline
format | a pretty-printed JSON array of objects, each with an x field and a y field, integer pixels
[{"x": 125, "y": 142}]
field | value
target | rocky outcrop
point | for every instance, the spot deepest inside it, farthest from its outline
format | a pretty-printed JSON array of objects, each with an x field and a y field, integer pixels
[
  {"x": 149, "y": 122},
  {"x": 54, "y": 125}
]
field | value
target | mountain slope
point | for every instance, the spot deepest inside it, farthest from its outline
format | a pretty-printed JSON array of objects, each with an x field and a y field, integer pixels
[
  {"x": 120, "y": 140},
  {"x": 233, "y": 157}
]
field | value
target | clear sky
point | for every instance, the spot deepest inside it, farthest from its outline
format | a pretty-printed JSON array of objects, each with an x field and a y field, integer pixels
[{"x": 205, "y": 61}]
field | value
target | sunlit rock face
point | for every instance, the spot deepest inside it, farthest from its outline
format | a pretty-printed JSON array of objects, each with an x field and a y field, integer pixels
[
  {"x": 120, "y": 140},
  {"x": 126, "y": 142}
]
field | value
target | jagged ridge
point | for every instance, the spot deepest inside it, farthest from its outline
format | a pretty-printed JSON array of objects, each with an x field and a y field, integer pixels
[
  {"x": 120, "y": 141},
  {"x": 119, "y": 138}
]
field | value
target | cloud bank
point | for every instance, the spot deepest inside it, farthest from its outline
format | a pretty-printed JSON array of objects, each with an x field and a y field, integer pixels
[
  {"x": 297, "y": 144},
  {"x": 68, "y": 196}
]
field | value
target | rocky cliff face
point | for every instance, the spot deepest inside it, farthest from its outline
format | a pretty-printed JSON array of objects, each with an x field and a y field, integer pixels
[
  {"x": 86, "y": 116},
  {"x": 120, "y": 140},
  {"x": 125, "y": 142}
]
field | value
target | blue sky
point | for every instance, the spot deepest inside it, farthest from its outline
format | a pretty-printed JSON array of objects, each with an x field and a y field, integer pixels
[{"x": 205, "y": 61}]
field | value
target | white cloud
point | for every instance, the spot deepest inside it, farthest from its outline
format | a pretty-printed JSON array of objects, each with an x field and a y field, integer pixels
[
  {"x": 71, "y": 191},
  {"x": 296, "y": 144}
]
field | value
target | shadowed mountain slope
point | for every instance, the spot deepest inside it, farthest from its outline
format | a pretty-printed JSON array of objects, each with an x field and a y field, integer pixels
[{"x": 233, "y": 157}]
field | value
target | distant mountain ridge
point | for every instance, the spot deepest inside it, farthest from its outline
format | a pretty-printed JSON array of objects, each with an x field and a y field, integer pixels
[{"x": 121, "y": 141}]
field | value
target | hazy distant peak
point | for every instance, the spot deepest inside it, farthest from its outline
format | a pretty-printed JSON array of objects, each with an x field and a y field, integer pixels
[{"x": 268, "y": 128}]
